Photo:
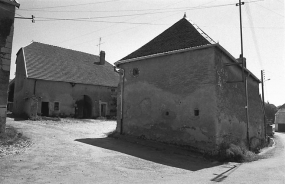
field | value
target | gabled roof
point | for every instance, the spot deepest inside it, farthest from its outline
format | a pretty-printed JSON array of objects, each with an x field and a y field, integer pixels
[
  {"x": 179, "y": 36},
  {"x": 54, "y": 63}
]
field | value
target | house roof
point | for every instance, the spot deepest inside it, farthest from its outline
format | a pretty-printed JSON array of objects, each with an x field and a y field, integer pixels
[
  {"x": 54, "y": 63},
  {"x": 181, "y": 35},
  {"x": 12, "y": 2}
]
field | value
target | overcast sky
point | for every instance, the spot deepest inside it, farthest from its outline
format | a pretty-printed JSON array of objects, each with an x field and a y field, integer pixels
[{"x": 126, "y": 25}]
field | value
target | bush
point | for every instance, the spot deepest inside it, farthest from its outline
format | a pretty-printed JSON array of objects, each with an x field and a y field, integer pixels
[{"x": 236, "y": 153}]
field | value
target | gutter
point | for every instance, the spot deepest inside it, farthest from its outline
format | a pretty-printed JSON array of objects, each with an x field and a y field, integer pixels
[{"x": 122, "y": 73}]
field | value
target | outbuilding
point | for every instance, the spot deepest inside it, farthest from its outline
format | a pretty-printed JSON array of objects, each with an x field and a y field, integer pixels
[{"x": 178, "y": 89}]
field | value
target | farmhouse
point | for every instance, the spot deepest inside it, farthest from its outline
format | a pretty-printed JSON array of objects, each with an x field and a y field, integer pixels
[
  {"x": 178, "y": 89},
  {"x": 54, "y": 81}
]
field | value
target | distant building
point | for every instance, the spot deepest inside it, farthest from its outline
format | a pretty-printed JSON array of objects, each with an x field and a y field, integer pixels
[
  {"x": 280, "y": 119},
  {"x": 54, "y": 81},
  {"x": 177, "y": 89}
]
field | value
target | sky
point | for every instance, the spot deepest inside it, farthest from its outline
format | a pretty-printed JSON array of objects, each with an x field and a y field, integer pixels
[{"x": 125, "y": 25}]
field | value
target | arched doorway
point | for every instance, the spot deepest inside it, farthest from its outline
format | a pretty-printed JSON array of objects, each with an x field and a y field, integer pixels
[{"x": 84, "y": 107}]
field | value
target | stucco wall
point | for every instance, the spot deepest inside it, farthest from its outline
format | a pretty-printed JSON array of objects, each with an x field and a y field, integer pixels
[
  {"x": 66, "y": 95},
  {"x": 7, "y": 13},
  {"x": 159, "y": 103},
  {"x": 20, "y": 90},
  {"x": 231, "y": 105}
]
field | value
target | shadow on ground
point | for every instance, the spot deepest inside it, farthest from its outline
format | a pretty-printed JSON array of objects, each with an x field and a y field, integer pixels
[
  {"x": 157, "y": 155},
  {"x": 222, "y": 176}
]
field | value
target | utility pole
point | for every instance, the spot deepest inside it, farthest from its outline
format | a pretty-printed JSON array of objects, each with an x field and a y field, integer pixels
[
  {"x": 264, "y": 117},
  {"x": 243, "y": 75}
]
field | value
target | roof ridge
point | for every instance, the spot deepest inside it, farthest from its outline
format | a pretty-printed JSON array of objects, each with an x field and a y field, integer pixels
[
  {"x": 61, "y": 48},
  {"x": 182, "y": 34}
]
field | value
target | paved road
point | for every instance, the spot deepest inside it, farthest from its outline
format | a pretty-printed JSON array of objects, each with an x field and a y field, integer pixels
[{"x": 79, "y": 152}]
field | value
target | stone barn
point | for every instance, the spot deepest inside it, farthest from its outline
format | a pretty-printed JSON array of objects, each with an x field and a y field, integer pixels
[
  {"x": 54, "y": 81},
  {"x": 177, "y": 89}
]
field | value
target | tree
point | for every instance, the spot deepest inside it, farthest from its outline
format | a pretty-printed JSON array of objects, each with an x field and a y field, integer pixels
[{"x": 270, "y": 110}]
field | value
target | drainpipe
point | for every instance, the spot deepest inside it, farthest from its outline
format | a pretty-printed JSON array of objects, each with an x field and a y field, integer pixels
[
  {"x": 35, "y": 87},
  {"x": 122, "y": 73}
]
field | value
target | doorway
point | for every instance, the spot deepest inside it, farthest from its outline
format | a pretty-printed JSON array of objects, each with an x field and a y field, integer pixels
[
  {"x": 84, "y": 107},
  {"x": 103, "y": 110},
  {"x": 45, "y": 109}
]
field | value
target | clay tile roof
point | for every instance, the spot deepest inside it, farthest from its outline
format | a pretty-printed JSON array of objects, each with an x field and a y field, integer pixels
[
  {"x": 181, "y": 35},
  {"x": 54, "y": 63}
]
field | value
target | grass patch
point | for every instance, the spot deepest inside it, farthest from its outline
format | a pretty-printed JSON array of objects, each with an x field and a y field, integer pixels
[{"x": 13, "y": 142}]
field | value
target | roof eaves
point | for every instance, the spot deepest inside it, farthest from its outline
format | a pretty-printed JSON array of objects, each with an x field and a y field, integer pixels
[
  {"x": 234, "y": 59},
  {"x": 163, "y": 54},
  {"x": 72, "y": 82},
  {"x": 12, "y": 2},
  {"x": 26, "y": 72}
]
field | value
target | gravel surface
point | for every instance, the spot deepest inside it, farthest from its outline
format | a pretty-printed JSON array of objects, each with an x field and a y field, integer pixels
[{"x": 78, "y": 151}]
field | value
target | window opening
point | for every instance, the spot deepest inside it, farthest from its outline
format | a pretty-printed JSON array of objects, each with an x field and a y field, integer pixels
[
  {"x": 56, "y": 106},
  {"x": 136, "y": 72},
  {"x": 196, "y": 112}
]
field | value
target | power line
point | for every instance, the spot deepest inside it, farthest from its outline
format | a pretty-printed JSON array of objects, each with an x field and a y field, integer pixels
[
  {"x": 140, "y": 25},
  {"x": 69, "y": 5},
  {"x": 89, "y": 18},
  {"x": 255, "y": 41},
  {"x": 100, "y": 21},
  {"x": 149, "y": 13},
  {"x": 271, "y": 10}
]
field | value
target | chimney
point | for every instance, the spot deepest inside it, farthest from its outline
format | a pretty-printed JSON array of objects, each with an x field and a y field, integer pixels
[
  {"x": 244, "y": 59},
  {"x": 102, "y": 58}
]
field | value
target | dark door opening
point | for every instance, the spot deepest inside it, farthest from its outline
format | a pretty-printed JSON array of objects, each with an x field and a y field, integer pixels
[
  {"x": 45, "y": 109},
  {"x": 84, "y": 107},
  {"x": 103, "y": 110}
]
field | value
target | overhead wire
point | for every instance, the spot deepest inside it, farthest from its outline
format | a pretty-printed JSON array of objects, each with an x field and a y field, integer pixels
[
  {"x": 270, "y": 10},
  {"x": 89, "y": 18},
  {"x": 69, "y": 5},
  {"x": 254, "y": 38},
  {"x": 140, "y": 25}
]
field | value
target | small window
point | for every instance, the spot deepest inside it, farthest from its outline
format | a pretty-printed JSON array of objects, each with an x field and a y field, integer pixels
[
  {"x": 196, "y": 112},
  {"x": 113, "y": 90},
  {"x": 136, "y": 72},
  {"x": 56, "y": 106}
]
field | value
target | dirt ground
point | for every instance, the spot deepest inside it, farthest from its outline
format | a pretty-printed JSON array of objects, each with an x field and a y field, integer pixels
[{"x": 75, "y": 151}]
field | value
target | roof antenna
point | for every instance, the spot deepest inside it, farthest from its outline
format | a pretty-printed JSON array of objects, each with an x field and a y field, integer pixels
[{"x": 184, "y": 15}]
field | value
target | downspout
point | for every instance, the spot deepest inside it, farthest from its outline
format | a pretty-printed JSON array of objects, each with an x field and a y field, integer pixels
[
  {"x": 35, "y": 87},
  {"x": 122, "y": 73}
]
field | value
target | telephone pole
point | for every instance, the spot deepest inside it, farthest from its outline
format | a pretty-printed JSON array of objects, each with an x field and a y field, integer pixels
[
  {"x": 264, "y": 117},
  {"x": 243, "y": 75}
]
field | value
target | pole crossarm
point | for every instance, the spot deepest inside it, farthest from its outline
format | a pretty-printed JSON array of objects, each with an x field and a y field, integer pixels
[
  {"x": 32, "y": 18},
  {"x": 241, "y": 3}
]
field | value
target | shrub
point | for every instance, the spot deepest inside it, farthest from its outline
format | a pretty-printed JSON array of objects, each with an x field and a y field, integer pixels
[{"x": 236, "y": 153}]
